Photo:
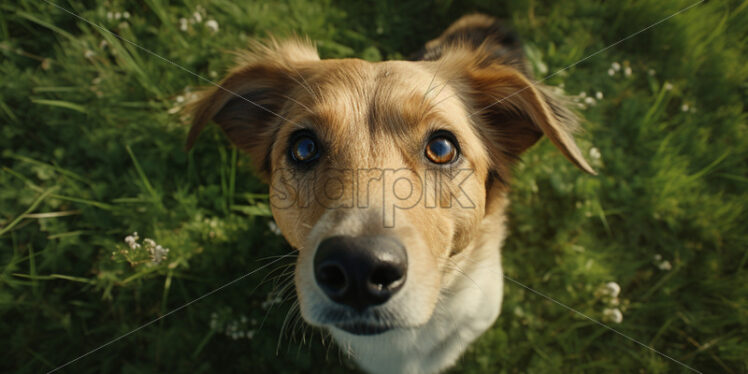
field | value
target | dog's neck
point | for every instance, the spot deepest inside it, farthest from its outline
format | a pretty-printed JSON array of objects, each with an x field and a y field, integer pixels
[{"x": 466, "y": 308}]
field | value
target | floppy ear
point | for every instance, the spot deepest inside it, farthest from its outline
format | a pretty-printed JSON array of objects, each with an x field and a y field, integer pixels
[
  {"x": 249, "y": 102},
  {"x": 514, "y": 113}
]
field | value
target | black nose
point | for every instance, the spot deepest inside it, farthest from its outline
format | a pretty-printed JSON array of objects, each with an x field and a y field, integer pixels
[{"x": 360, "y": 271}]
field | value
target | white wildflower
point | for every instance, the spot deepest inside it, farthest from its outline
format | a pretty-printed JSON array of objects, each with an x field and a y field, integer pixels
[
  {"x": 89, "y": 53},
  {"x": 117, "y": 15},
  {"x": 180, "y": 99},
  {"x": 270, "y": 301},
  {"x": 661, "y": 264},
  {"x": 157, "y": 252},
  {"x": 611, "y": 289},
  {"x": 274, "y": 228},
  {"x": 183, "y": 24},
  {"x": 598, "y": 95},
  {"x": 109, "y": 15},
  {"x": 611, "y": 72},
  {"x": 212, "y": 25},
  {"x": 198, "y": 17},
  {"x": 668, "y": 86},
  {"x": 651, "y": 72},
  {"x": 126, "y": 15},
  {"x": 595, "y": 153},
  {"x": 684, "y": 107},
  {"x": 627, "y": 71},
  {"x": 590, "y": 101},
  {"x": 582, "y": 94},
  {"x": 132, "y": 241},
  {"x": 612, "y": 315},
  {"x": 616, "y": 66}
]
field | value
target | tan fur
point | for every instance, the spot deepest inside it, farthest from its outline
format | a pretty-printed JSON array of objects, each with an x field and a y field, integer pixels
[{"x": 373, "y": 117}]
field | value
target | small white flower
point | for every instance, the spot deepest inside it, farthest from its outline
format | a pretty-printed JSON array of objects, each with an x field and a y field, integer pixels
[
  {"x": 274, "y": 228},
  {"x": 89, "y": 53},
  {"x": 159, "y": 254},
  {"x": 611, "y": 72},
  {"x": 616, "y": 66},
  {"x": 665, "y": 266},
  {"x": 612, "y": 289},
  {"x": 183, "y": 24},
  {"x": 612, "y": 315},
  {"x": 590, "y": 101},
  {"x": 661, "y": 264},
  {"x": 595, "y": 153},
  {"x": 582, "y": 94},
  {"x": 132, "y": 241},
  {"x": 598, "y": 95},
  {"x": 627, "y": 71},
  {"x": 117, "y": 15},
  {"x": 651, "y": 72},
  {"x": 180, "y": 99},
  {"x": 668, "y": 86},
  {"x": 198, "y": 17},
  {"x": 212, "y": 25},
  {"x": 126, "y": 15},
  {"x": 684, "y": 108}
]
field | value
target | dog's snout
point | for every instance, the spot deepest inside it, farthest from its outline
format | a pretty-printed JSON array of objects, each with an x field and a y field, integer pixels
[{"x": 360, "y": 271}]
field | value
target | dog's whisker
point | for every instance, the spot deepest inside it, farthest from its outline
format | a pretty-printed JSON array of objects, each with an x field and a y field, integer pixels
[
  {"x": 428, "y": 89},
  {"x": 291, "y": 311},
  {"x": 300, "y": 104}
]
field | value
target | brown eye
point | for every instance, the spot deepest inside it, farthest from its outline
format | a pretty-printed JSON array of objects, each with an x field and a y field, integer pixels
[{"x": 441, "y": 150}]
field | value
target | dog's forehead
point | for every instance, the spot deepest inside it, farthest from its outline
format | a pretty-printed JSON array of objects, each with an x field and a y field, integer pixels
[{"x": 382, "y": 105}]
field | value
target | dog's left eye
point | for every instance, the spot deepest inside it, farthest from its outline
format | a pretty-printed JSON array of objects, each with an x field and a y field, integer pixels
[
  {"x": 441, "y": 150},
  {"x": 304, "y": 149}
]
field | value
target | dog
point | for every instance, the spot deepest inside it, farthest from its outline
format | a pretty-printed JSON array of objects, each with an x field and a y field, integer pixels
[{"x": 390, "y": 179}]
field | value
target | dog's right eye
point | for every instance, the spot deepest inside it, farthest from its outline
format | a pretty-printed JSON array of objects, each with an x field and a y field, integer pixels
[{"x": 304, "y": 148}]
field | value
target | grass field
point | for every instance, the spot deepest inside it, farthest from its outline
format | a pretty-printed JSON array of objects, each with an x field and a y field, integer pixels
[{"x": 91, "y": 148}]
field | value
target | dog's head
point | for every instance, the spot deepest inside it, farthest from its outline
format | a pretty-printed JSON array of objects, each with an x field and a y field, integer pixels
[{"x": 381, "y": 174}]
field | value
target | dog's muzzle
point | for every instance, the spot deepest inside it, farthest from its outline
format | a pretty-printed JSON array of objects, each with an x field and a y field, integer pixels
[{"x": 360, "y": 272}]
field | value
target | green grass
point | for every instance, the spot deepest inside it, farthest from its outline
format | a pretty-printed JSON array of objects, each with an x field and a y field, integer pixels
[{"x": 90, "y": 153}]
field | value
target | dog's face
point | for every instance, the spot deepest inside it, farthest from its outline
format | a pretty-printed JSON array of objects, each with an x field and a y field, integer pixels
[{"x": 380, "y": 174}]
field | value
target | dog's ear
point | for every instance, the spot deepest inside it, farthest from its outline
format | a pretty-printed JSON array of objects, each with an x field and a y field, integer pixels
[
  {"x": 249, "y": 102},
  {"x": 514, "y": 113}
]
